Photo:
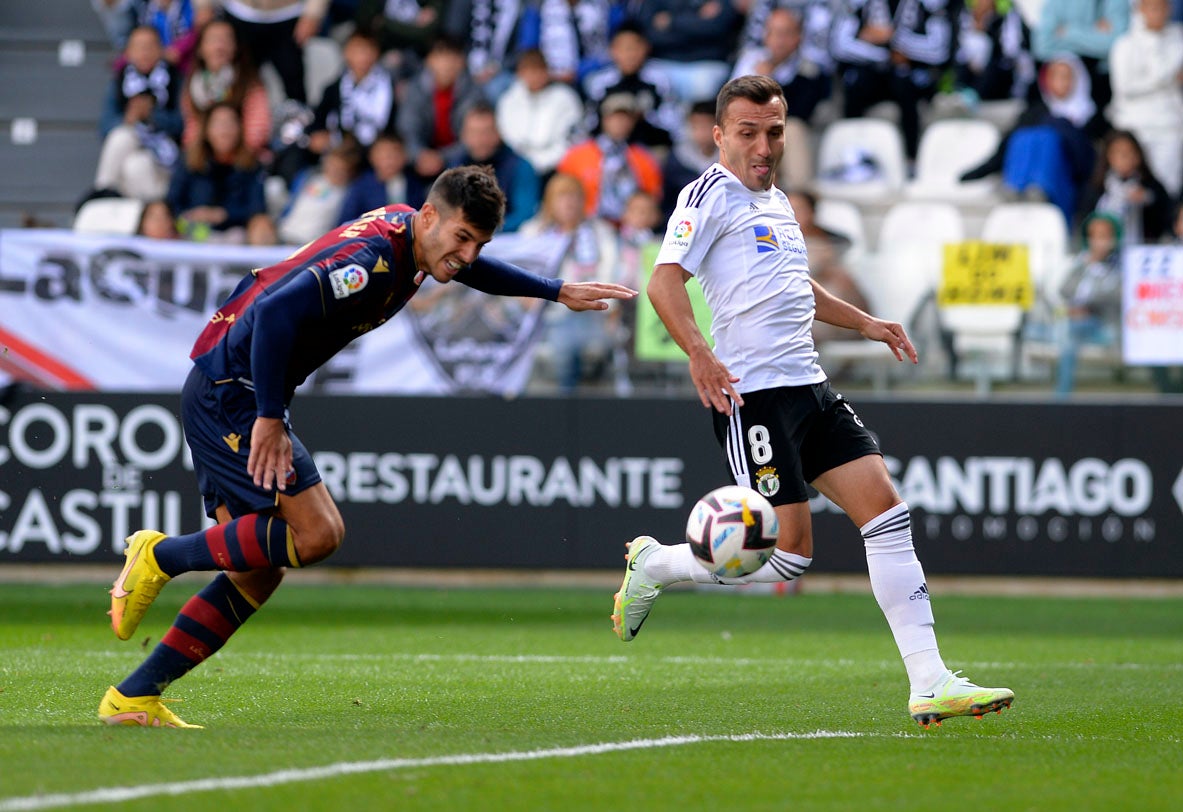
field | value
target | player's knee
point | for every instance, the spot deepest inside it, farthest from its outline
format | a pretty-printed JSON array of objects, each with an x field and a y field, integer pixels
[{"x": 320, "y": 539}]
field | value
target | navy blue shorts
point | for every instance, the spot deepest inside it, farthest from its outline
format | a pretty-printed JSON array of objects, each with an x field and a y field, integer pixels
[
  {"x": 783, "y": 438},
  {"x": 218, "y": 418}
]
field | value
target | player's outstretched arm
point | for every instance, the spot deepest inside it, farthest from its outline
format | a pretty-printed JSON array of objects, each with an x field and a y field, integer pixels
[
  {"x": 592, "y": 295},
  {"x": 832, "y": 310},
  {"x": 713, "y": 381}
]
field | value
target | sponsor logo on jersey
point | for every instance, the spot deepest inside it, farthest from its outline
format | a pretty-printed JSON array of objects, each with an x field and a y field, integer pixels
[
  {"x": 767, "y": 482},
  {"x": 765, "y": 239},
  {"x": 683, "y": 229},
  {"x": 778, "y": 238},
  {"x": 348, "y": 280}
]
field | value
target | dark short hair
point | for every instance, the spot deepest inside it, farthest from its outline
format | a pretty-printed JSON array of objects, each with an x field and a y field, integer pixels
[
  {"x": 472, "y": 190},
  {"x": 758, "y": 89},
  {"x": 703, "y": 107},
  {"x": 447, "y": 43},
  {"x": 480, "y": 107},
  {"x": 532, "y": 58},
  {"x": 367, "y": 36}
]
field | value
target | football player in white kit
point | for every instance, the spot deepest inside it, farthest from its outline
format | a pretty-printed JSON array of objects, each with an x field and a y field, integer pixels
[{"x": 776, "y": 417}]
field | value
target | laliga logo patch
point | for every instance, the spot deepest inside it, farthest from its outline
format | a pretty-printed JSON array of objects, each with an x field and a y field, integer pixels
[
  {"x": 348, "y": 280},
  {"x": 767, "y": 482},
  {"x": 679, "y": 236}
]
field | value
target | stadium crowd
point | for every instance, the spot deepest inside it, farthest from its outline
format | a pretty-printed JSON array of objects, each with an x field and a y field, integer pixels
[{"x": 608, "y": 104}]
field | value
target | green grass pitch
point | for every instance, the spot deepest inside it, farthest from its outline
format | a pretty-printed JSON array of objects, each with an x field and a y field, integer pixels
[{"x": 398, "y": 698}]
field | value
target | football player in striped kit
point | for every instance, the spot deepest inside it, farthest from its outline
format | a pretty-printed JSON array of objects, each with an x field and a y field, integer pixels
[
  {"x": 776, "y": 417},
  {"x": 259, "y": 481}
]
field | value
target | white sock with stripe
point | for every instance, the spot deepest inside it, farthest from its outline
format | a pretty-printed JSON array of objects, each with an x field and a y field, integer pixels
[
  {"x": 897, "y": 580},
  {"x": 672, "y": 563}
]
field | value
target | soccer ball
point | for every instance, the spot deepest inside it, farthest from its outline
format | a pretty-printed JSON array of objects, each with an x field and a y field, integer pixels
[{"x": 732, "y": 531}]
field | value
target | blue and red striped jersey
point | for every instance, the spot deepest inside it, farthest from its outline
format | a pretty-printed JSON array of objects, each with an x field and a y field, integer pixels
[{"x": 283, "y": 322}]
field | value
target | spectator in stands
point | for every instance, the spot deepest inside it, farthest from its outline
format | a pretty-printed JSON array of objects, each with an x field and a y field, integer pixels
[
  {"x": 1125, "y": 186},
  {"x": 1049, "y": 153},
  {"x": 319, "y": 194},
  {"x": 140, "y": 121},
  {"x": 388, "y": 181},
  {"x": 538, "y": 117},
  {"x": 573, "y": 36},
  {"x": 158, "y": 221},
  {"x": 1087, "y": 29},
  {"x": 492, "y": 33},
  {"x": 638, "y": 230},
  {"x": 404, "y": 27},
  {"x": 590, "y": 253},
  {"x": 993, "y": 53},
  {"x": 433, "y": 105},
  {"x": 692, "y": 42},
  {"x": 608, "y": 166},
  {"x": 892, "y": 52},
  {"x": 826, "y": 250},
  {"x": 817, "y": 17},
  {"x": 174, "y": 21},
  {"x": 638, "y": 233},
  {"x": 118, "y": 17},
  {"x": 693, "y": 152},
  {"x": 217, "y": 190},
  {"x": 1146, "y": 70},
  {"x": 360, "y": 104},
  {"x": 633, "y": 72},
  {"x": 273, "y": 31},
  {"x": 782, "y": 57},
  {"x": 1092, "y": 293},
  {"x": 223, "y": 72},
  {"x": 480, "y": 143}
]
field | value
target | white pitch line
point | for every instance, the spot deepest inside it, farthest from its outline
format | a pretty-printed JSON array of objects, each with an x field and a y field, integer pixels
[
  {"x": 614, "y": 659},
  {"x": 114, "y": 795}
]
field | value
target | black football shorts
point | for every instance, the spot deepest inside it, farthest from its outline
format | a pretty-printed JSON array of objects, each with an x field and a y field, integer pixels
[{"x": 783, "y": 438}]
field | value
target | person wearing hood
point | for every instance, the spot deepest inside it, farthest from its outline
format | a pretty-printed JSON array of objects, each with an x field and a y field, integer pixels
[
  {"x": 1086, "y": 29},
  {"x": 1049, "y": 154}
]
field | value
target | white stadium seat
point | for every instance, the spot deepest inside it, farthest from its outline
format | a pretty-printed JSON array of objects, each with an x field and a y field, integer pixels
[
  {"x": 109, "y": 215},
  {"x": 949, "y": 147},
  {"x": 912, "y": 241},
  {"x": 845, "y": 218},
  {"x": 843, "y": 150},
  {"x": 1042, "y": 228}
]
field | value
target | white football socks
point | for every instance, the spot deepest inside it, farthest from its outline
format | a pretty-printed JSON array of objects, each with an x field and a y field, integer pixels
[
  {"x": 897, "y": 580},
  {"x": 672, "y": 563}
]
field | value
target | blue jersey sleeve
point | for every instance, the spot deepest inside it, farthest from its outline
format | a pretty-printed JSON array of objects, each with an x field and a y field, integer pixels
[
  {"x": 489, "y": 275},
  {"x": 278, "y": 316}
]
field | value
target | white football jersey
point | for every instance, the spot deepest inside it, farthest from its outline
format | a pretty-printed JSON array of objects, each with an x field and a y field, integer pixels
[{"x": 746, "y": 250}]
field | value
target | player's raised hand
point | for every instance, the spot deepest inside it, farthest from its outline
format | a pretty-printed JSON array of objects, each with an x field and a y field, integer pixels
[
  {"x": 893, "y": 335},
  {"x": 713, "y": 382},
  {"x": 591, "y": 295},
  {"x": 270, "y": 459}
]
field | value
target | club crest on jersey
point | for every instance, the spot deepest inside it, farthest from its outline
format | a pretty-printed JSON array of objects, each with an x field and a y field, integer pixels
[
  {"x": 348, "y": 280},
  {"x": 767, "y": 482}
]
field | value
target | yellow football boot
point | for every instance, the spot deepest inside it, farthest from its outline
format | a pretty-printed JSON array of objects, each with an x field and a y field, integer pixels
[
  {"x": 137, "y": 585},
  {"x": 145, "y": 711}
]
